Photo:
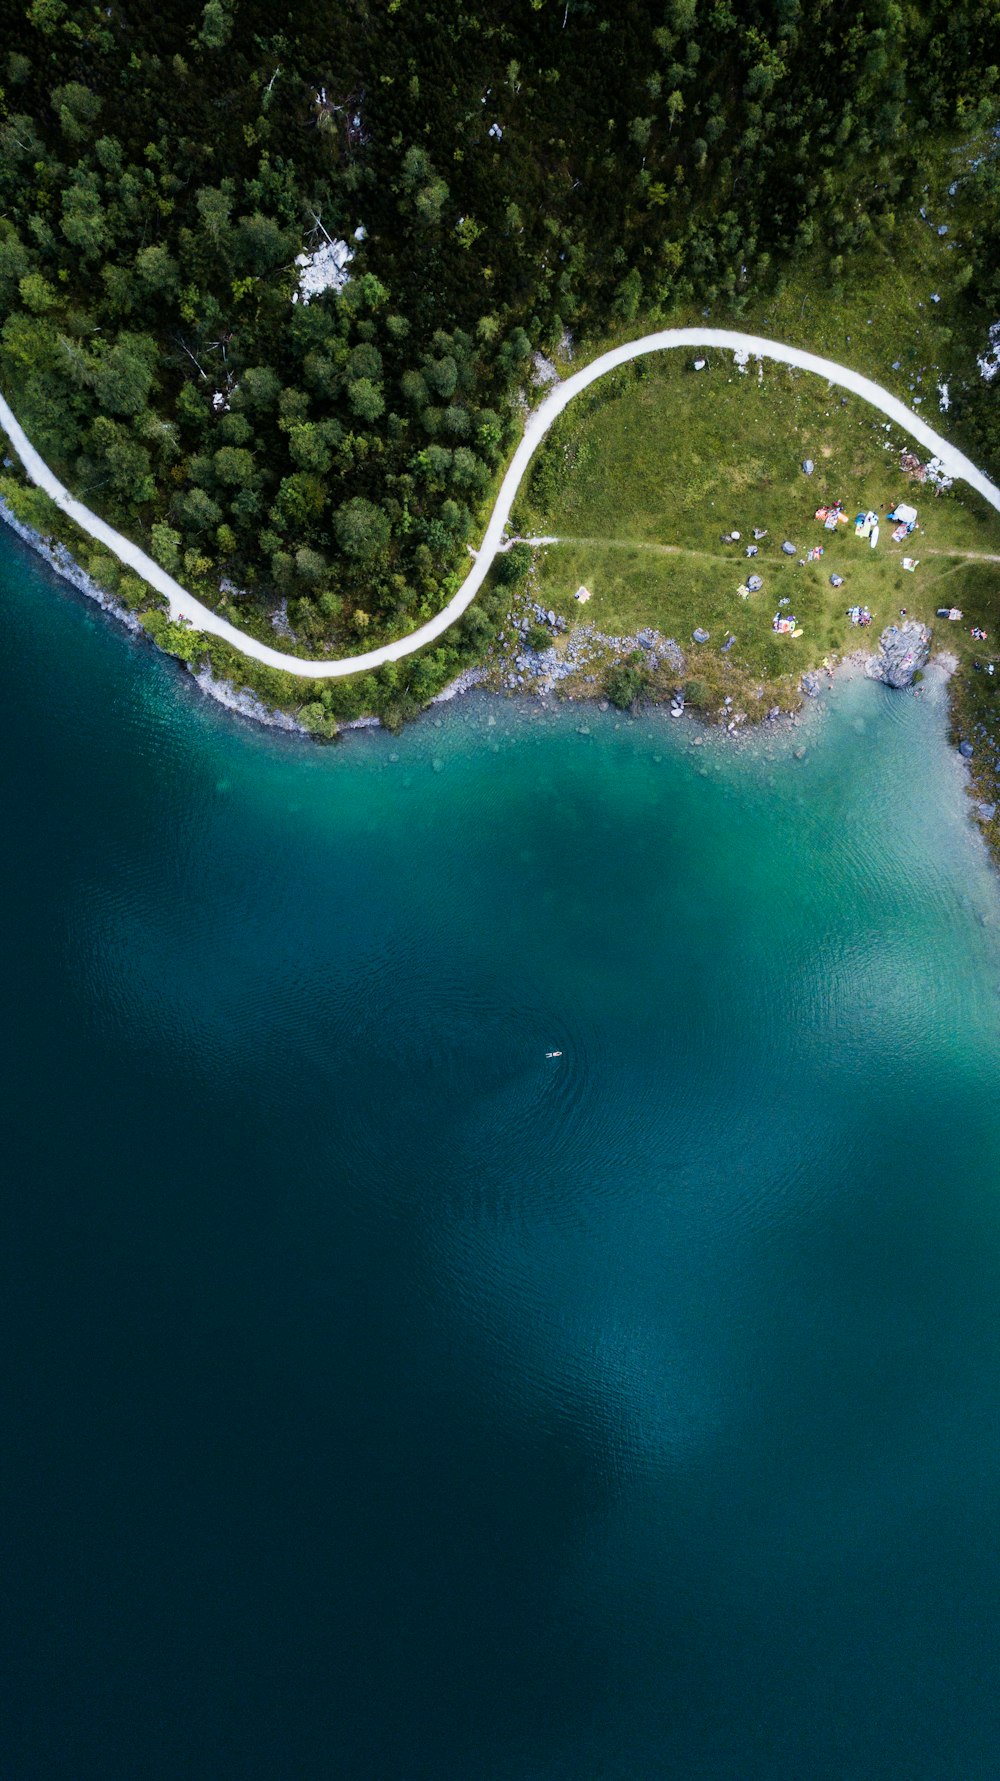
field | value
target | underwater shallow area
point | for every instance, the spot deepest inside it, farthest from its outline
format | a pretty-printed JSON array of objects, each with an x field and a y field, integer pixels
[{"x": 388, "y": 1399}]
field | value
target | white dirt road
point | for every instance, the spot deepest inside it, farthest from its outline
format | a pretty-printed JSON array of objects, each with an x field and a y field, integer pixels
[{"x": 184, "y": 605}]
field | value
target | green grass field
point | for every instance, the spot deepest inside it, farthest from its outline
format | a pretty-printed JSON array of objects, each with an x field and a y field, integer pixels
[{"x": 648, "y": 471}]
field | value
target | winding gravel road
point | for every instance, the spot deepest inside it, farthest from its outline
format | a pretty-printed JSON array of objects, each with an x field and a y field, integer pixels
[{"x": 184, "y": 605}]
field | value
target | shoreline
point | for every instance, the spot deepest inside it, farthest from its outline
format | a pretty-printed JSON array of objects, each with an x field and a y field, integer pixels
[
  {"x": 245, "y": 703},
  {"x": 185, "y": 608},
  {"x": 58, "y": 557}
]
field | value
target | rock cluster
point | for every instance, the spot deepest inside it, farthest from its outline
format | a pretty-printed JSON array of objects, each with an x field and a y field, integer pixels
[
  {"x": 902, "y": 650},
  {"x": 586, "y": 648}
]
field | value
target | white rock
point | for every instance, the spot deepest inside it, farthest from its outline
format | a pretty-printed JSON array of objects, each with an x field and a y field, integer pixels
[
  {"x": 989, "y": 361},
  {"x": 325, "y": 269}
]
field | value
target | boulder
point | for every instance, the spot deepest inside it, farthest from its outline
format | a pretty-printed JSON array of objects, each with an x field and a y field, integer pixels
[
  {"x": 966, "y": 749},
  {"x": 836, "y": 581},
  {"x": 789, "y": 549},
  {"x": 699, "y": 635},
  {"x": 807, "y": 466},
  {"x": 755, "y": 584},
  {"x": 902, "y": 649}
]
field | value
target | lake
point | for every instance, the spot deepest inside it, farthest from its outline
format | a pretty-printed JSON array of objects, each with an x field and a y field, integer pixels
[{"x": 384, "y": 1398}]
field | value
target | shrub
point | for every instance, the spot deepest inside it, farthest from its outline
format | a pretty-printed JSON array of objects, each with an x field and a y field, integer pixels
[
  {"x": 625, "y": 685},
  {"x": 696, "y": 693},
  {"x": 512, "y": 568}
]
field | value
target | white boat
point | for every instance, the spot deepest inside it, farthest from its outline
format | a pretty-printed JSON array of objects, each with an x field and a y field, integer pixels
[{"x": 553, "y": 1054}]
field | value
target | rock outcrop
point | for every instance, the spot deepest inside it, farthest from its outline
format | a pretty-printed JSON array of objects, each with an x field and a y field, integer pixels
[{"x": 902, "y": 650}]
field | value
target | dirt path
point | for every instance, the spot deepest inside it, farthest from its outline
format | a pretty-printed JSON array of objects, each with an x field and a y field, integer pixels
[{"x": 184, "y": 606}]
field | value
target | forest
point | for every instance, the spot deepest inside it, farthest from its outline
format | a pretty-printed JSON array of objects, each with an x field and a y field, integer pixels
[{"x": 492, "y": 181}]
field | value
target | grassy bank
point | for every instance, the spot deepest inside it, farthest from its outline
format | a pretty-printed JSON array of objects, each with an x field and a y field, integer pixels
[{"x": 646, "y": 475}]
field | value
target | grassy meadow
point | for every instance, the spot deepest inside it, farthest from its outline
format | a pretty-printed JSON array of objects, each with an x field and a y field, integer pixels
[{"x": 647, "y": 472}]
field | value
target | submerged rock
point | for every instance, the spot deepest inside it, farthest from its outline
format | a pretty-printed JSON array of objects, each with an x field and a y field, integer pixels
[{"x": 903, "y": 649}]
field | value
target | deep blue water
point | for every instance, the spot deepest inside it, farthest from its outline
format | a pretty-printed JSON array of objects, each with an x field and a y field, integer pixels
[{"x": 381, "y": 1399}]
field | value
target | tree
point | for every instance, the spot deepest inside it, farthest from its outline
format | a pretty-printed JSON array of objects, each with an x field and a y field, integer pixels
[
  {"x": 366, "y": 399},
  {"x": 216, "y": 26},
  {"x": 215, "y": 205},
  {"x": 14, "y": 262},
  {"x": 167, "y": 547},
  {"x": 441, "y": 375},
  {"x": 121, "y": 375},
  {"x": 259, "y": 387},
  {"x": 83, "y": 220},
  {"x": 309, "y": 447},
  {"x": 310, "y": 566},
  {"x": 260, "y": 244},
  {"x": 362, "y": 529},
  {"x": 157, "y": 271},
  {"x": 123, "y": 462},
  {"x": 234, "y": 466},
  {"x": 198, "y": 511},
  {"x": 299, "y": 502},
  {"x": 468, "y": 471},
  {"x": 77, "y": 109},
  {"x": 37, "y": 294}
]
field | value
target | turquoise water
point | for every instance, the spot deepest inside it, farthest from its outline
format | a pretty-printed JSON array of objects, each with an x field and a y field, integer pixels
[{"x": 384, "y": 1400}]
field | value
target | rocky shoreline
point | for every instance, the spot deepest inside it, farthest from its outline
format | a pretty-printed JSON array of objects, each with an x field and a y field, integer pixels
[
  {"x": 62, "y": 563},
  {"x": 514, "y": 665},
  {"x": 59, "y": 559}
]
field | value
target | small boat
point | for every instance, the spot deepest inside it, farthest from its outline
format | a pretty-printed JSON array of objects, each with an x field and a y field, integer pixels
[{"x": 553, "y": 1054}]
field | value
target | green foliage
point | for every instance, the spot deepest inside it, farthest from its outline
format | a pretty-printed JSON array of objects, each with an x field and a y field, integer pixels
[
  {"x": 167, "y": 547},
  {"x": 216, "y": 26},
  {"x": 625, "y": 685},
  {"x": 366, "y": 399},
  {"x": 361, "y": 528},
  {"x": 121, "y": 374},
  {"x": 696, "y": 694},
  {"x": 513, "y": 567},
  {"x": 77, "y": 109},
  {"x": 176, "y": 638},
  {"x": 158, "y": 180}
]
